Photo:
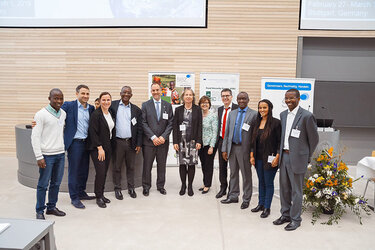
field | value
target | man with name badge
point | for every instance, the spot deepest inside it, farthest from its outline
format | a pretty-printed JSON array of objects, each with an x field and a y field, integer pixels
[
  {"x": 299, "y": 138},
  {"x": 128, "y": 140},
  {"x": 236, "y": 149},
  {"x": 157, "y": 119}
]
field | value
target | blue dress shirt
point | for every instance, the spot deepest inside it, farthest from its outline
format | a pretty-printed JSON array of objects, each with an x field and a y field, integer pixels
[
  {"x": 241, "y": 122},
  {"x": 123, "y": 121},
  {"x": 82, "y": 121}
]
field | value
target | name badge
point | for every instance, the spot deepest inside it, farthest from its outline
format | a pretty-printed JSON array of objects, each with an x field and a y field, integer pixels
[
  {"x": 271, "y": 158},
  {"x": 182, "y": 127},
  {"x": 134, "y": 121},
  {"x": 245, "y": 127},
  {"x": 295, "y": 133},
  {"x": 165, "y": 116}
]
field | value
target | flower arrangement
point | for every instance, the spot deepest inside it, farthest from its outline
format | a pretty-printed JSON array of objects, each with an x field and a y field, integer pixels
[{"x": 329, "y": 189}]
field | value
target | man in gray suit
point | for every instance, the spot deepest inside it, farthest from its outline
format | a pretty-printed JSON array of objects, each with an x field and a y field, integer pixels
[
  {"x": 157, "y": 119},
  {"x": 299, "y": 138},
  {"x": 236, "y": 147}
]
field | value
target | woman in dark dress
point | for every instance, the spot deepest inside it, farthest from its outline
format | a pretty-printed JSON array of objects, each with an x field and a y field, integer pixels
[
  {"x": 101, "y": 131},
  {"x": 187, "y": 138},
  {"x": 265, "y": 146}
]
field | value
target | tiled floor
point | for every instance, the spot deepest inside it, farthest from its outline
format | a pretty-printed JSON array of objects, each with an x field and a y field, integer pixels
[{"x": 175, "y": 222}]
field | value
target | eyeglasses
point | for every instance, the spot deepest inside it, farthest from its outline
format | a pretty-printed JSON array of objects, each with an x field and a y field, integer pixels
[{"x": 225, "y": 96}]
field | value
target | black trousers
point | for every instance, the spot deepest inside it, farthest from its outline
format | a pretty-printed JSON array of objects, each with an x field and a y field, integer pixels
[
  {"x": 149, "y": 154},
  {"x": 223, "y": 166},
  {"x": 207, "y": 162},
  {"x": 101, "y": 169},
  {"x": 190, "y": 171},
  {"x": 123, "y": 153}
]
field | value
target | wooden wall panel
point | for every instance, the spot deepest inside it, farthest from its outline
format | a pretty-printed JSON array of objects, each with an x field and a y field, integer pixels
[{"x": 255, "y": 38}]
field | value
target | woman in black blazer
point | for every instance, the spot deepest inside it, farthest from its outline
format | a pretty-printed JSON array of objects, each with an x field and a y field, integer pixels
[
  {"x": 187, "y": 138},
  {"x": 265, "y": 147},
  {"x": 101, "y": 131}
]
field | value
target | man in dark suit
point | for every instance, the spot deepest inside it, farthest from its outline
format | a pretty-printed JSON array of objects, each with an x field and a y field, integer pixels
[
  {"x": 236, "y": 149},
  {"x": 299, "y": 138},
  {"x": 128, "y": 139},
  {"x": 75, "y": 136},
  {"x": 157, "y": 119},
  {"x": 223, "y": 112}
]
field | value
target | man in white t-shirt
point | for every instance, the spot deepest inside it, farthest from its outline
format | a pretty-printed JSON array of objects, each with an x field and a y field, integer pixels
[{"x": 47, "y": 139}]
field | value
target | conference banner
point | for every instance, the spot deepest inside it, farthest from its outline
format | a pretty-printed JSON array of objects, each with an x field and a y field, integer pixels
[
  {"x": 274, "y": 90},
  {"x": 172, "y": 84},
  {"x": 211, "y": 85}
]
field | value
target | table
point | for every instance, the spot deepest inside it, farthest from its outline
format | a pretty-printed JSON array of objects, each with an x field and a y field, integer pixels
[
  {"x": 24, "y": 234},
  {"x": 366, "y": 167}
]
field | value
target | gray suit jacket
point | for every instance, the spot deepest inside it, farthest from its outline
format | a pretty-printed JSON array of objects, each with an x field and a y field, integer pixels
[
  {"x": 302, "y": 148},
  {"x": 246, "y": 135},
  {"x": 151, "y": 125}
]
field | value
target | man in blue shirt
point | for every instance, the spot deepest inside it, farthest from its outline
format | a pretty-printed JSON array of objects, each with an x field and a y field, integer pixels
[
  {"x": 236, "y": 150},
  {"x": 75, "y": 136},
  {"x": 128, "y": 140}
]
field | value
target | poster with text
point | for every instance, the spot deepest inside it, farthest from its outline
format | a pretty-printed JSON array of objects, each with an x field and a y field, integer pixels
[
  {"x": 172, "y": 84},
  {"x": 274, "y": 90},
  {"x": 211, "y": 85}
]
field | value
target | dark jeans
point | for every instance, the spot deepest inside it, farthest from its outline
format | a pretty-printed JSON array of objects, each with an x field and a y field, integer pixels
[
  {"x": 207, "y": 162},
  {"x": 223, "y": 166},
  {"x": 123, "y": 152},
  {"x": 78, "y": 159},
  {"x": 266, "y": 187},
  {"x": 51, "y": 175},
  {"x": 101, "y": 169}
]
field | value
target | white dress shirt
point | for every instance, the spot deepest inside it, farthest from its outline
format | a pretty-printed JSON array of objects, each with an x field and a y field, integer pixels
[
  {"x": 289, "y": 122},
  {"x": 222, "y": 117}
]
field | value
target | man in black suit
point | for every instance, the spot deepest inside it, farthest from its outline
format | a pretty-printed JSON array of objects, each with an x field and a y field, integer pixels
[
  {"x": 157, "y": 119},
  {"x": 223, "y": 112},
  {"x": 128, "y": 140}
]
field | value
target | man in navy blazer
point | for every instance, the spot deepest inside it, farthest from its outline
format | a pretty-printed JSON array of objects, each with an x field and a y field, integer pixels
[
  {"x": 128, "y": 141},
  {"x": 299, "y": 138},
  {"x": 75, "y": 136}
]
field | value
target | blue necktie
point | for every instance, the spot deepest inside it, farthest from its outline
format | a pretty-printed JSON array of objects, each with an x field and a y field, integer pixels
[
  {"x": 158, "y": 110},
  {"x": 237, "y": 132}
]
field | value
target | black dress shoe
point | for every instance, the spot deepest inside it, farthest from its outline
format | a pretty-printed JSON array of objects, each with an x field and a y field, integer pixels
[
  {"x": 244, "y": 205},
  {"x": 87, "y": 197},
  {"x": 100, "y": 203},
  {"x": 106, "y": 200},
  {"x": 118, "y": 194},
  {"x": 228, "y": 201},
  {"x": 162, "y": 191},
  {"x": 265, "y": 213},
  {"x": 132, "y": 193},
  {"x": 205, "y": 191},
  {"x": 40, "y": 216},
  {"x": 292, "y": 226},
  {"x": 190, "y": 191},
  {"x": 221, "y": 193},
  {"x": 146, "y": 192},
  {"x": 55, "y": 212},
  {"x": 182, "y": 190},
  {"x": 257, "y": 208},
  {"x": 281, "y": 220}
]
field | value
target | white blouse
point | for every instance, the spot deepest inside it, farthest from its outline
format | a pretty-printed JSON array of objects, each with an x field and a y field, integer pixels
[{"x": 110, "y": 123}]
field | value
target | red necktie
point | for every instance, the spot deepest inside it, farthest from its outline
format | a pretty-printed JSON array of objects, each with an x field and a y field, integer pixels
[{"x": 225, "y": 121}]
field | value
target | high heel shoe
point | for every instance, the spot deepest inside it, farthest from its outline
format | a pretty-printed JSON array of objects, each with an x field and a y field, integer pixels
[
  {"x": 205, "y": 191},
  {"x": 182, "y": 190},
  {"x": 201, "y": 189}
]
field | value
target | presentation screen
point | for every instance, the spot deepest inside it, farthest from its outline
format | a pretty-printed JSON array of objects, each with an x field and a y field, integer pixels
[
  {"x": 103, "y": 13},
  {"x": 337, "y": 14}
]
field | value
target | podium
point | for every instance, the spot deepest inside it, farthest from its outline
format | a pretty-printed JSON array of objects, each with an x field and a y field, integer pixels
[{"x": 328, "y": 137}]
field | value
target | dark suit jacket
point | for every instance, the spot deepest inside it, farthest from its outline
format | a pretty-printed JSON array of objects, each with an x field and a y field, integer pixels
[
  {"x": 302, "y": 148},
  {"x": 220, "y": 111},
  {"x": 71, "y": 109},
  {"x": 136, "y": 129},
  {"x": 271, "y": 144},
  {"x": 152, "y": 126},
  {"x": 196, "y": 126},
  {"x": 99, "y": 132}
]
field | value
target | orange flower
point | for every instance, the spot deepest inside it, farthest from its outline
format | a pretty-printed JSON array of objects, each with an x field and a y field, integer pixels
[
  {"x": 329, "y": 183},
  {"x": 335, "y": 183},
  {"x": 330, "y": 151}
]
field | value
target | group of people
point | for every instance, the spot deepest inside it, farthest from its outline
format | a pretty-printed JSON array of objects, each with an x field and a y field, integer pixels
[{"x": 116, "y": 131}]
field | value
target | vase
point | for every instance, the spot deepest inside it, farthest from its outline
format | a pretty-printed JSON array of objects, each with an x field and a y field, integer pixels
[{"x": 328, "y": 211}]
